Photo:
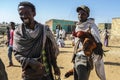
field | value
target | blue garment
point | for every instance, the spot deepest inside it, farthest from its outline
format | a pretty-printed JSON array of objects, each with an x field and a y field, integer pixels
[{"x": 10, "y": 49}]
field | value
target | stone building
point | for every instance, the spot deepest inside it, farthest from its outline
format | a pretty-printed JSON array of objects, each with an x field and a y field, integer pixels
[
  {"x": 115, "y": 30},
  {"x": 103, "y": 26}
]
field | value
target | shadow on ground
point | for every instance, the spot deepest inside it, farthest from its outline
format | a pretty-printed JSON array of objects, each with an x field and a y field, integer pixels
[
  {"x": 112, "y": 63},
  {"x": 66, "y": 51},
  {"x": 14, "y": 66},
  {"x": 114, "y": 46}
]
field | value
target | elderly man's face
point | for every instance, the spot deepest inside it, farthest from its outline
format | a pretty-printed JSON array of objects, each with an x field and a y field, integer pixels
[
  {"x": 82, "y": 16},
  {"x": 26, "y": 15}
]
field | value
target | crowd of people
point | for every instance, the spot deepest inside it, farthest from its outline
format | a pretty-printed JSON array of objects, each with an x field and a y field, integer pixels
[{"x": 36, "y": 49}]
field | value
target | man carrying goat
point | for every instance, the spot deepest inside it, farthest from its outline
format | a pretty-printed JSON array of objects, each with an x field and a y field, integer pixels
[{"x": 83, "y": 61}]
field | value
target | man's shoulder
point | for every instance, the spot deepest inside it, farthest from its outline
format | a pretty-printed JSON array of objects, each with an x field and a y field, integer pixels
[{"x": 47, "y": 28}]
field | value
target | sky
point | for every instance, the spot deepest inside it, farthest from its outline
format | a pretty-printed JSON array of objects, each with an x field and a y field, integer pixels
[{"x": 101, "y": 10}]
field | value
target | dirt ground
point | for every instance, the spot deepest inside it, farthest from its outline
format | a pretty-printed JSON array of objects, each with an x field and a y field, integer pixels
[{"x": 111, "y": 62}]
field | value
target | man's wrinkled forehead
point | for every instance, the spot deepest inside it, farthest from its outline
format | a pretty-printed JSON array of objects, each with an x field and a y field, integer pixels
[{"x": 21, "y": 7}]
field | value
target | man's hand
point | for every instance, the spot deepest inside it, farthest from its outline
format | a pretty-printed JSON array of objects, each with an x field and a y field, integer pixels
[
  {"x": 35, "y": 65},
  {"x": 57, "y": 71},
  {"x": 34, "y": 68}
]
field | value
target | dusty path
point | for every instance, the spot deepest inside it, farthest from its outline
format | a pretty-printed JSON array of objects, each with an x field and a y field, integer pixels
[{"x": 111, "y": 61}]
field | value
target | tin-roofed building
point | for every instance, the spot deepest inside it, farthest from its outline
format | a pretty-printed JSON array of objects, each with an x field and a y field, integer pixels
[{"x": 67, "y": 25}]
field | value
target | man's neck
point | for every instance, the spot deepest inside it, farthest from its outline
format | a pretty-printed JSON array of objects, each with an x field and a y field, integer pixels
[
  {"x": 83, "y": 20},
  {"x": 31, "y": 26}
]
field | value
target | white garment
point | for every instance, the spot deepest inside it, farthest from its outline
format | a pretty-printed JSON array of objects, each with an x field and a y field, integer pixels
[
  {"x": 106, "y": 33},
  {"x": 99, "y": 66},
  {"x": 62, "y": 33},
  {"x": 85, "y": 26},
  {"x": 60, "y": 43},
  {"x": 80, "y": 52}
]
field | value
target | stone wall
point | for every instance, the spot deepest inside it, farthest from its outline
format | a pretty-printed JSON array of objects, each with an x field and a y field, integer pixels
[{"x": 115, "y": 30}]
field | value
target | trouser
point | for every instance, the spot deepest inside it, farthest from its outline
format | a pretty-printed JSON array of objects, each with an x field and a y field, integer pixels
[
  {"x": 3, "y": 74},
  {"x": 10, "y": 49},
  {"x": 81, "y": 70},
  {"x": 99, "y": 67},
  {"x": 81, "y": 73}
]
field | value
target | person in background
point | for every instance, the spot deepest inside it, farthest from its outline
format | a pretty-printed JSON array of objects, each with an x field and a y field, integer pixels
[
  {"x": 57, "y": 31},
  {"x": 60, "y": 42},
  {"x": 10, "y": 46},
  {"x": 34, "y": 46},
  {"x": 82, "y": 66},
  {"x": 62, "y": 33},
  {"x": 61, "y": 39},
  {"x": 106, "y": 37},
  {"x": 8, "y": 36}
]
